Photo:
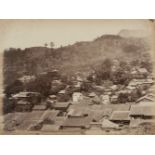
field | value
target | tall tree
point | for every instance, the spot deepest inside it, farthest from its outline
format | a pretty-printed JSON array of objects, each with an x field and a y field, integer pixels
[
  {"x": 45, "y": 44},
  {"x": 51, "y": 44}
]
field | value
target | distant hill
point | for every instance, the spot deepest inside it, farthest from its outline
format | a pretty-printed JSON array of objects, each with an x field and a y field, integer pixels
[
  {"x": 81, "y": 56},
  {"x": 133, "y": 33}
]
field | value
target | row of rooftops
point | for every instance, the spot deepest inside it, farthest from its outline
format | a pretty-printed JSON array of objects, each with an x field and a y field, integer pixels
[
  {"x": 80, "y": 116},
  {"x": 61, "y": 105},
  {"x": 25, "y": 94},
  {"x": 137, "y": 70},
  {"x": 136, "y": 82},
  {"x": 107, "y": 91},
  {"x": 83, "y": 114}
]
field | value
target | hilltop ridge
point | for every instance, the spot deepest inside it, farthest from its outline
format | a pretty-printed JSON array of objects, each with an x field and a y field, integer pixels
[{"x": 81, "y": 56}]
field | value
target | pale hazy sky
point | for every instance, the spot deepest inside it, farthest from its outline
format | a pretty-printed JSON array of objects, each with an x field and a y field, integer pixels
[{"x": 28, "y": 33}]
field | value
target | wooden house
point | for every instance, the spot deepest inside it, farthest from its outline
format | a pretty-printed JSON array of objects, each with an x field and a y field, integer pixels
[
  {"x": 77, "y": 122},
  {"x": 142, "y": 111},
  {"x": 121, "y": 117},
  {"x": 62, "y": 106},
  {"x": 40, "y": 107},
  {"x": 23, "y": 106}
]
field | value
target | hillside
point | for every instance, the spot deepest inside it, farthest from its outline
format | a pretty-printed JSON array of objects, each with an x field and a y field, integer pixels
[
  {"x": 81, "y": 56},
  {"x": 133, "y": 33}
]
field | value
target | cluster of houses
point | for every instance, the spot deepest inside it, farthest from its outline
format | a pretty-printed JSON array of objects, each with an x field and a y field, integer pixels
[{"x": 106, "y": 107}]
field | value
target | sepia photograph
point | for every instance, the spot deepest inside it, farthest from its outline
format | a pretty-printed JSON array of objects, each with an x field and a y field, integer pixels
[{"x": 77, "y": 77}]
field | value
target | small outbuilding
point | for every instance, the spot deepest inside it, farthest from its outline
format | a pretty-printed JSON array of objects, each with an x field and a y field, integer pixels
[
  {"x": 40, "y": 107},
  {"x": 122, "y": 117},
  {"x": 63, "y": 106},
  {"x": 77, "y": 122},
  {"x": 142, "y": 111},
  {"x": 77, "y": 97}
]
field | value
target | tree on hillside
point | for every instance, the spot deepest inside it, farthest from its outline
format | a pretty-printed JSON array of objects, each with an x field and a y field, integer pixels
[
  {"x": 51, "y": 44},
  {"x": 107, "y": 63},
  {"x": 124, "y": 65},
  {"x": 14, "y": 88},
  {"x": 103, "y": 71},
  {"x": 147, "y": 65},
  {"x": 131, "y": 48},
  {"x": 106, "y": 69},
  {"x": 121, "y": 77},
  {"x": 45, "y": 44},
  {"x": 134, "y": 63}
]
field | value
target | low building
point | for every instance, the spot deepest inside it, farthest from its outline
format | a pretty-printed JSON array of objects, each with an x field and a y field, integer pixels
[
  {"x": 139, "y": 73},
  {"x": 17, "y": 117},
  {"x": 77, "y": 122},
  {"x": 145, "y": 99},
  {"x": 131, "y": 89},
  {"x": 62, "y": 96},
  {"x": 119, "y": 107},
  {"x": 30, "y": 125},
  {"x": 39, "y": 107},
  {"x": 122, "y": 117},
  {"x": 32, "y": 121},
  {"x": 56, "y": 83},
  {"x": 127, "y": 95},
  {"x": 114, "y": 99},
  {"x": 105, "y": 99},
  {"x": 96, "y": 100},
  {"x": 52, "y": 97},
  {"x": 141, "y": 83},
  {"x": 134, "y": 73},
  {"x": 97, "y": 115},
  {"x": 50, "y": 103},
  {"x": 134, "y": 123},
  {"x": 77, "y": 97},
  {"x": 101, "y": 110},
  {"x": 142, "y": 111},
  {"x": 91, "y": 95},
  {"x": 98, "y": 88},
  {"x": 114, "y": 87},
  {"x": 32, "y": 97},
  {"x": 22, "y": 106},
  {"x": 77, "y": 113},
  {"x": 149, "y": 81},
  {"x": 62, "y": 106},
  {"x": 27, "y": 78},
  {"x": 143, "y": 71},
  {"x": 61, "y": 92}
]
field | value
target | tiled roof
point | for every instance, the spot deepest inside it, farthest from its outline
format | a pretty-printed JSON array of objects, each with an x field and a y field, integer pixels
[
  {"x": 142, "y": 110},
  {"x": 120, "y": 115},
  {"x": 77, "y": 122}
]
